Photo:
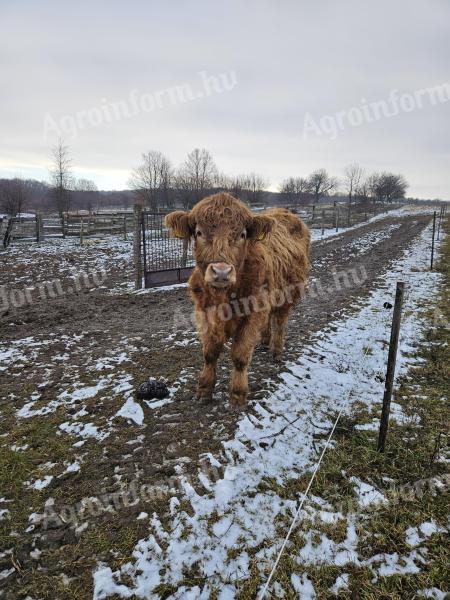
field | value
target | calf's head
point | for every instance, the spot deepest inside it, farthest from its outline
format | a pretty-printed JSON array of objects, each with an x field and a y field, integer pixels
[{"x": 222, "y": 228}]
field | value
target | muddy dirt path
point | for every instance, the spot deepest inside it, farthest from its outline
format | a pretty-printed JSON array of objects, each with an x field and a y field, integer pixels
[{"x": 76, "y": 339}]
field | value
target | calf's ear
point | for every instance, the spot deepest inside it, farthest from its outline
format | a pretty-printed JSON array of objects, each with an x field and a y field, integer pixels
[
  {"x": 178, "y": 223},
  {"x": 260, "y": 226}
]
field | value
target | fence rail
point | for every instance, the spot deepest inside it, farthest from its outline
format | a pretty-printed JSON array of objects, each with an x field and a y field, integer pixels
[
  {"x": 338, "y": 215},
  {"x": 37, "y": 228}
]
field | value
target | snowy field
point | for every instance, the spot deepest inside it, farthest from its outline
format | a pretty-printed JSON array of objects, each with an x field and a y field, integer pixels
[
  {"x": 233, "y": 514},
  {"x": 219, "y": 487}
]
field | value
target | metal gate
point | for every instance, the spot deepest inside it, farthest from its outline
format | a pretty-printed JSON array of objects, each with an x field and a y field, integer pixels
[{"x": 165, "y": 260}]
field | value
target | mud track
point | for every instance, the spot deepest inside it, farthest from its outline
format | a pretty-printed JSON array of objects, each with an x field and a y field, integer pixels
[{"x": 183, "y": 428}]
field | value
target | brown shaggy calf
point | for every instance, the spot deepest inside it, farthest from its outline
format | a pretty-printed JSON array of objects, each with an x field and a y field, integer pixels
[{"x": 250, "y": 271}]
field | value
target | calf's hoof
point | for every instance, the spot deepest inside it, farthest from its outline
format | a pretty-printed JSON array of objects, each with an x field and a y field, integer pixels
[
  {"x": 276, "y": 349},
  {"x": 238, "y": 400},
  {"x": 204, "y": 395},
  {"x": 276, "y": 356},
  {"x": 265, "y": 341}
]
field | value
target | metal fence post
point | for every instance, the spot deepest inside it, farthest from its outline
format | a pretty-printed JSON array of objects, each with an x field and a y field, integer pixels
[
  {"x": 390, "y": 372},
  {"x": 441, "y": 216},
  {"x": 137, "y": 237},
  {"x": 185, "y": 253},
  {"x": 144, "y": 242},
  {"x": 432, "y": 241}
]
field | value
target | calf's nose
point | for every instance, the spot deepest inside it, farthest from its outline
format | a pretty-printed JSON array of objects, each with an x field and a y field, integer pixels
[{"x": 221, "y": 271}]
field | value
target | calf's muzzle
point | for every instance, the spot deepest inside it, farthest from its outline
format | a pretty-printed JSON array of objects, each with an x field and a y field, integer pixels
[{"x": 220, "y": 274}]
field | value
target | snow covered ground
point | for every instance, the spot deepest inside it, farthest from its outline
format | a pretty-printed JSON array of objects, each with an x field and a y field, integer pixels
[
  {"x": 316, "y": 234},
  {"x": 231, "y": 514}
]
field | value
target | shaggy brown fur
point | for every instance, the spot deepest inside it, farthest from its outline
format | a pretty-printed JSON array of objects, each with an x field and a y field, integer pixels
[{"x": 267, "y": 257}]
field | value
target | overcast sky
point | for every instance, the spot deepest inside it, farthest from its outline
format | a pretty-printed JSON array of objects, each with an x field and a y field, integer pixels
[{"x": 300, "y": 81}]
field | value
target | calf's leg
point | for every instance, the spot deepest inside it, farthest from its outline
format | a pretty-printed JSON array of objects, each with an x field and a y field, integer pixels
[
  {"x": 279, "y": 320},
  {"x": 212, "y": 335},
  {"x": 207, "y": 380},
  {"x": 265, "y": 337},
  {"x": 241, "y": 354}
]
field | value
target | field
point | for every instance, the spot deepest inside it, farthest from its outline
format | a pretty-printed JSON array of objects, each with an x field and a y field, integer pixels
[{"x": 104, "y": 496}]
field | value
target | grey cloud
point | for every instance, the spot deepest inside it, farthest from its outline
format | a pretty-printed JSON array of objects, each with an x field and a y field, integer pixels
[{"x": 290, "y": 58}]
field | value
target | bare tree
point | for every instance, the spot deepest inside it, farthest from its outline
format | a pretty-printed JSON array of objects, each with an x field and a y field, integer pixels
[
  {"x": 321, "y": 184},
  {"x": 151, "y": 180},
  {"x": 222, "y": 182},
  {"x": 386, "y": 187},
  {"x": 84, "y": 185},
  {"x": 362, "y": 191},
  {"x": 13, "y": 196},
  {"x": 235, "y": 185},
  {"x": 196, "y": 177},
  {"x": 375, "y": 187},
  {"x": 353, "y": 176},
  {"x": 253, "y": 187},
  {"x": 394, "y": 186},
  {"x": 295, "y": 189},
  {"x": 89, "y": 190},
  {"x": 61, "y": 177}
]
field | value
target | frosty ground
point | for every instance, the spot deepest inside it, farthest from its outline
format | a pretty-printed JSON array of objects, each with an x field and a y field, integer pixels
[{"x": 204, "y": 497}]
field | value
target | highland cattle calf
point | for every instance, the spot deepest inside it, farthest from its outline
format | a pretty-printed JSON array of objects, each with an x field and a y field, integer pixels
[{"x": 250, "y": 272}]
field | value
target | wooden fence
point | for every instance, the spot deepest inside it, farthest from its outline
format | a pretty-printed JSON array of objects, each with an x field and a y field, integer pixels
[
  {"x": 37, "y": 228},
  {"x": 339, "y": 215},
  {"x": 98, "y": 225},
  {"x": 85, "y": 225}
]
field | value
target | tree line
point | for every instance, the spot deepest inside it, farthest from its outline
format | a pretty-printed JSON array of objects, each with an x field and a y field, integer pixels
[
  {"x": 18, "y": 194},
  {"x": 156, "y": 183},
  {"x": 357, "y": 185}
]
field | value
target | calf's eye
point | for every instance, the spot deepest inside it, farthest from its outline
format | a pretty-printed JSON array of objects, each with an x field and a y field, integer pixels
[
  {"x": 243, "y": 235},
  {"x": 198, "y": 233}
]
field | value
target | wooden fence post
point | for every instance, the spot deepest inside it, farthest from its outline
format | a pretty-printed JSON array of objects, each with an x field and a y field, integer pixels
[
  {"x": 323, "y": 222},
  {"x": 81, "y": 230},
  {"x": 125, "y": 227},
  {"x": 390, "y": 372},
  {"x": 137, "y": 238},
  {"x": 432, "y": 241},
  {"x": 8, "y": 233},
  {"x": 39, "y": 231}
]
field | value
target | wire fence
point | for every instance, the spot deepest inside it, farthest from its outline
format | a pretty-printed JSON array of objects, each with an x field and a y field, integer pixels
[
  {"x": 163, "y": 259},
  {"x": 160, "y": 250}
]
